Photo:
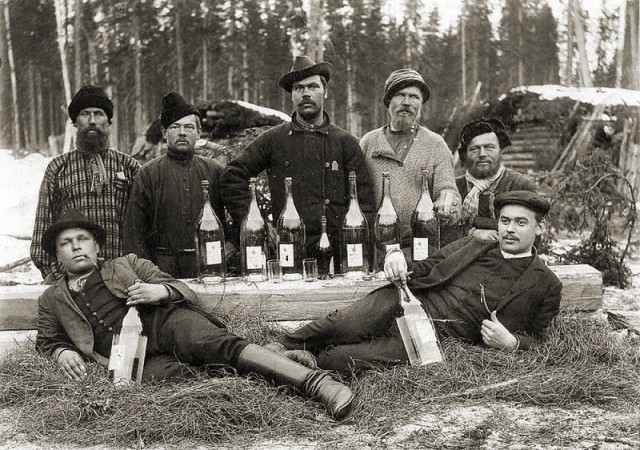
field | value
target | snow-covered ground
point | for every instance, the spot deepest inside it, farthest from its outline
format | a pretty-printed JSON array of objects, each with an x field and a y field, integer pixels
[
  {"x": 594, "y": 95},
  {"x": 19, "y": 183}
]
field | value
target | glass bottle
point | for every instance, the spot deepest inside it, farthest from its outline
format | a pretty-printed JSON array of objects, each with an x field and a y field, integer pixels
[
  {"x": 291, "y": 236},
  {"x": 253, "y": 237},
  {"x": 324, "y": 254},
  {"x": 210, "y": 242},
  {"x": 386, "y": 226},
  {"x": 425, "y": 227},
  {"x": 128, "y": 350},
  {"x": 354, "y": 237}
]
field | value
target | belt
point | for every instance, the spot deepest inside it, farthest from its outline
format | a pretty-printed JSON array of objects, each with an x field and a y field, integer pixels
[{"x": 174, "y": 251}]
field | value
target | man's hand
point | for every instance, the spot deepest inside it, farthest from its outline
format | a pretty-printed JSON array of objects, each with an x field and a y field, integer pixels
[
  {"x": 495, "y": 335},
  {"x": 395, "y": 267},
  {"x": 447, "y": 206},
  {"x": 146, "y": 294},
  {"x": 73, "y": 365},
  {"x": 484, "y": 235}
]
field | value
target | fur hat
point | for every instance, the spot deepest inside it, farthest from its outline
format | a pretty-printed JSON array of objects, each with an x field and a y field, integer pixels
[
  {"x": 304, "y": 67},
  {"x": 175, "y": 107},
  {"x": 400, "y": 79},
  {"x": 482, "y": 126},
  {"x": 70, "y": 218},
  {"x": 531, "y": 200},
  {"x": 90, "y": 97}
]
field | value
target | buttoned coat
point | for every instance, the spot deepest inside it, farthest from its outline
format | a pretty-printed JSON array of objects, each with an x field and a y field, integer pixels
[
  {"x": 61, "y": 324},
  {"x": 528, "y": 306}
]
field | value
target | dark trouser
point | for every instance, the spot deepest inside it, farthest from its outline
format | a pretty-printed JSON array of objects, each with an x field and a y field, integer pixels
[
  {"x": 361, "y": 336},
  {"x": 190, "y": 338}
]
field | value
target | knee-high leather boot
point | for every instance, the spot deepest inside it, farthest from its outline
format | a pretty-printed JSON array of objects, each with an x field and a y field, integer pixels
[{"x": 315, "y": 384}]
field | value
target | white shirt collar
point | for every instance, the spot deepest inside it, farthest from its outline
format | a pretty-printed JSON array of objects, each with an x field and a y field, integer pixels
[{"x": 512, "y": 256}]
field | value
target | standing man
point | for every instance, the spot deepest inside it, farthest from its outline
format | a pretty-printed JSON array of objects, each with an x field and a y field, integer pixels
[
  {"x": 317, "y": 154},
  {"x": 79, "y": 315},
  {"x": 166, "y": 201},
  {"x": 499, "y": 294},
  {"x": 403, "y": 148},
  {"x": 93, "y": 179},
  {"x": 481, "y": 144}
]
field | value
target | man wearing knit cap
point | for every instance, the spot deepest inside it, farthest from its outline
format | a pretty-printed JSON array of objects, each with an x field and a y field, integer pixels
[
  {"x": 496, "y": 293},
  {"x": 403, "y": 148},
  {"x": 93, "y": 178},
  {"x": 317, "y": 154},
  {"x": 482, "y": 143},
  {"x": 167, "y": 198}
]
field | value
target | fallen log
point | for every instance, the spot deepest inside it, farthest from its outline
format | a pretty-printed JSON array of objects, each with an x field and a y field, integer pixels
[{"x": 14, "y": 264}]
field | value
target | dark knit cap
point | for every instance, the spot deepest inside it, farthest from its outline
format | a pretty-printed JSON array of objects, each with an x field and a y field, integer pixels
[
  {"x": 400, "y": 79},
  {"x": 70, "y": 218},
  {"x": 482, "y": 126},
  {"x": 175, "y": 107},
  {"x": 89, "y": 97},
  {"x": 304, "y": 67},
  {"x": 531, "y": 200}
]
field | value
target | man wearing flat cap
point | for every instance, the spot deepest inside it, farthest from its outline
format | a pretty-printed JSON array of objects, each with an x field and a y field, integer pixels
[
  {"x": 80, "y": 314},
  {"x": 167, "y": 198},
  {"x": 482, "y": 143},
  {"x": 403, "y": 148},
  {"x": 317, "y": 154},
  {"x": 496, "y": 293},
  {"x": 92, "y": 178}
]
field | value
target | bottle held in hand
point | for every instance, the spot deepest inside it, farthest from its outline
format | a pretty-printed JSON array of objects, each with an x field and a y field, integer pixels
[
  {"x": 291, "y": 237},
  {"x": 128, "y": 349},
  {"x": 210, "y": 242}
]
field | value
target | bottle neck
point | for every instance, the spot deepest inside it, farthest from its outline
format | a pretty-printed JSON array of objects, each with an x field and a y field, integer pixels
[{"x": 353, "y": 190}]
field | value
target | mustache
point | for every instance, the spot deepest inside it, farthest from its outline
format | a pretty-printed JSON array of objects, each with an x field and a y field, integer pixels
[{"x": 307, "y": 102}]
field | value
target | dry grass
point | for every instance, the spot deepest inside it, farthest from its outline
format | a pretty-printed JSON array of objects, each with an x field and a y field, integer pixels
[{"x": 580, "y": 363}]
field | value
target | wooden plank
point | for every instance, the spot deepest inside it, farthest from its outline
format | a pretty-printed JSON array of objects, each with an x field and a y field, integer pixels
[{"x": 293, "y": 300}]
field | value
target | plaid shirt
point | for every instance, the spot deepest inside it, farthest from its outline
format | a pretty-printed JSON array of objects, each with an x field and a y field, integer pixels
[{"x": 69, "y": 183}]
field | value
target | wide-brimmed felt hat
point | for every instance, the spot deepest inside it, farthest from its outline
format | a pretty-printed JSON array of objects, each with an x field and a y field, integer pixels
[
  {"x": 482, "y": 126},
  {"x": 90, "y": 97},
  {"x": 70, "y": 218},
  {"x": 402, "y": 78},
  {"x": 531, "y": 200},
  {"x": 174, "y": 108},
  {"x": 304, "y": 67}
]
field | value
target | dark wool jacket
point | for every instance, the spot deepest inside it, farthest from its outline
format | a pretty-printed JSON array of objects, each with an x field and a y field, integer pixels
[
  {"x": 61, "y": 324},
  {"x": 318, "y": 160},
  {"x": 527, "y": 308}
]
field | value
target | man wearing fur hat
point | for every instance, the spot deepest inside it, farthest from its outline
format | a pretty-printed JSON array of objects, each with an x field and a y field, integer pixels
[
  {"x": 496, "y": 293},
  {"x": 482, "y": 142},
  {"x": 79, "y": 315},
  {"x": 403, "y": 148},
  {"x": 93, "y": 178},
  {"x": 166, "y": 201},
  {"x": 317, "y": 154}
]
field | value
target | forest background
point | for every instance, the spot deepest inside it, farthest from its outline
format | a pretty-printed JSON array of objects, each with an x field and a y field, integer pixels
[{"x": 214, "y": 50}]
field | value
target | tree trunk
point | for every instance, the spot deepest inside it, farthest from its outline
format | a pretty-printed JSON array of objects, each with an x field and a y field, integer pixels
[
  {"x": 315, "y": 45},
  {"x": 93, "y": 58},
  {"x": 138, "y": 120},
  {"x": 5, "y": 88},
  {"x": 205, "y": 69},
  {"x": 179, "y": 56},
  {"x": 463, "y": 63},
  {"x": 620, "y": 44},
  {"x": 77, "y": 46},
  {"x": 569, "y": 68},
  {"x": 585, "y": 74},
  {"x": 32, "y": 135},
  {"x": 40, "y": 123},
  {"x": 14, "y": 82},
  {"x": 520, "y": 48},
  {"x": 60, "y": 27},
  {"x": 245, "y": 72}
]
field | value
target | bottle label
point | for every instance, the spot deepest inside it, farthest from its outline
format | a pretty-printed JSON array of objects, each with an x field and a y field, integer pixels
[
  {"x": 390, "y": 246},
  {"x": 354, "y": 255},
  {"x": 116, "y": 360},
  {"x": 286, "y": 255},
  {"x": 214, "y": 252},
  {"x": 420, "y": 249},
  {"x": 254, "y": 257}
]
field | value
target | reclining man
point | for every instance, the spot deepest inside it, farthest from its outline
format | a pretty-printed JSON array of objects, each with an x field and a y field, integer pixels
[
  {"x": 497, "y": 293},
  {"x": 80, "y": 313}
]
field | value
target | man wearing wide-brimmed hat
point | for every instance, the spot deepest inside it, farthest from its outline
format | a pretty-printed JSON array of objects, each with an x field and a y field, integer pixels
[
  {"x": 79, "y": 315},
  {"x": 494, "y": 293},
  {"x": 317, "y": 154},
  {"x": 93, "y": 178},
  {"x": 482, "y": 142},
  {"x": 403, "y": 148},
  {"x": 167, "y": 198}
]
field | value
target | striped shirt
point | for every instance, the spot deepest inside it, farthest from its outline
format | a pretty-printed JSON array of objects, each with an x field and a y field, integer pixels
[{"x": 69, "y": 183}]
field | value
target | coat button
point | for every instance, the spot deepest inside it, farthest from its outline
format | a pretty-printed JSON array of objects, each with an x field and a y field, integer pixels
[
  {"x": 327, "y": 165},
  {"x": 290, "y": 132},
  {"x": 286, "y": 163},
  {"x": 326, "y": 201}
]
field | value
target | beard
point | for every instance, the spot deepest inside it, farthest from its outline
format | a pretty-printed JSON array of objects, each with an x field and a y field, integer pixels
[
  {"x": 92, "y": 142},
  {"x": 309, "y": 114},
  {"x": 484, "y": 171}
]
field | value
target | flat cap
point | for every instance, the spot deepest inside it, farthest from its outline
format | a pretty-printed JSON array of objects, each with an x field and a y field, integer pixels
[{"x": 531, "y": 200}]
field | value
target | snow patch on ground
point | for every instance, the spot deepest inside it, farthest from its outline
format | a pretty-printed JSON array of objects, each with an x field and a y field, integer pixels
[{"x": 594, "y": 96}]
